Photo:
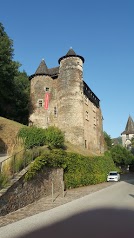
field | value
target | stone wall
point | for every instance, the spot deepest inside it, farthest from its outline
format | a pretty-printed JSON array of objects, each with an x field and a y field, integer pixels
[
  {"x": 22, "y": 193},
  {"x": 77, "y": 113},
  {"x": 70, "y": 103}
]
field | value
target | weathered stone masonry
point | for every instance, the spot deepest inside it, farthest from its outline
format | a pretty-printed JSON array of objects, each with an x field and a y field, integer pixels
[
  {"x": 60, "y": 97},
  {"x": 22, "y": 193}
]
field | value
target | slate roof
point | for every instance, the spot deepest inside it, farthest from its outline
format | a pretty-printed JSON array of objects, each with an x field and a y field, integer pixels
[
  {"x": 71, "y": 53},
  {"x": 42, "y": 69},
  {"x": 129, "y": 126},
  {"x": 53, "y": 71}
]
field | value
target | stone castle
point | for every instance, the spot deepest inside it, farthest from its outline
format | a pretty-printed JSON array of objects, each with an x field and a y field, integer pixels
[{"x": 60, "y": 97}]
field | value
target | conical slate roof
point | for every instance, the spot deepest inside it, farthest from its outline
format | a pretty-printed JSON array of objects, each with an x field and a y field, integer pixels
[
  {"x": 42, "y": 69},
  {"x": 129, "y": 126},
  {"x": 71, "y": 53}
]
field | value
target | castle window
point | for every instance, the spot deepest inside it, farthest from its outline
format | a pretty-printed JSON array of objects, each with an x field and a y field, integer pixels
[
  {"x": 85, "y": 144},
  {"x": 55, "y": 111},
  {"x": 47, "y": 89},
  {"x": 86, "y": 100},
  {"x": 95, "y": 121},
  {"x": 87, "y": 116},
  {"x": 40, "y": 103},
  {"x": 94, "y": 108},
  {"x": 127, "y": 136}
]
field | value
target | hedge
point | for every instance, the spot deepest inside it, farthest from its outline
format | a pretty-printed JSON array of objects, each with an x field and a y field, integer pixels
[{"x": 78, "y": 170}]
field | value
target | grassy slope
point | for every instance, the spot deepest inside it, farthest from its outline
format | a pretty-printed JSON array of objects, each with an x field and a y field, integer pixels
[
  {"x": 8, "y": 132},
  {"x": 78, "y": 149}
]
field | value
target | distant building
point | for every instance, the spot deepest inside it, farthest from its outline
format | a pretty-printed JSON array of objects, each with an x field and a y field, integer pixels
[
  {"x": 128, "y": 133},
  {"x": 60, "y": 97}
]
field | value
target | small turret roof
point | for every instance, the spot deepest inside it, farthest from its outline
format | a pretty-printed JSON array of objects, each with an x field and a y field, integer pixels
[
  {"x": 42, "y": 69},
  {"x": 71, "y": 53},
  {"x": 129, "y": 126}
]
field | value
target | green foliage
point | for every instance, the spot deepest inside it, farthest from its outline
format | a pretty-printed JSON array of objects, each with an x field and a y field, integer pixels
[
  {"x": 32, "y": 136},
  {"x": 108, "y": 140},
  {"x": 21, "y": 97},
  {"x": 83, "y": 170},
  {"x": 78, "y": 170},
  {"x": 54, "y": 137},
  {"x": 3, "y": 180},
  {"x": 121, "y": 156},
  {"x": 132, "y": 146},
  {"x": 14, "y": 85},
  {"x": 8, "y": 70},
  {"x": 53, "y": 158},
  {"x": 22, "y": 159}
]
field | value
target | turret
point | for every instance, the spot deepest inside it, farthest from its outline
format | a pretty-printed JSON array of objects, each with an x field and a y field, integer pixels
[
  {"x": 70, "y": 93},
  {"x": 41, "y": 90},
  {"x": 128, "y": 134}
]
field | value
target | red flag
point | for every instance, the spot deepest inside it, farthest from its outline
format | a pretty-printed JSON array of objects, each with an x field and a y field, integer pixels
[{"x": 46, "y": 100}]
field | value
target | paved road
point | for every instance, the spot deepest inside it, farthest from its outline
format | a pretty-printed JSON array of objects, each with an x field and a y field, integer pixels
[{"x": 118, "y": 196}]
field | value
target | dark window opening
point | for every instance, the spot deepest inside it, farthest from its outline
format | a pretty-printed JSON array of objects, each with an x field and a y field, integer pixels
[
  {"x": 40, "y": 103},
  {"x": 85, "y": 144}
]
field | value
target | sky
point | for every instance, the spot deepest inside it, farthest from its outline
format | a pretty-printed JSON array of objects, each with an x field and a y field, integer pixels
[{"x": 102, "y": 31}]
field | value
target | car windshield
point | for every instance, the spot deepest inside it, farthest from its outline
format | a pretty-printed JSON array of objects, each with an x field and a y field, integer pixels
[{"x": 112, "y": 173}]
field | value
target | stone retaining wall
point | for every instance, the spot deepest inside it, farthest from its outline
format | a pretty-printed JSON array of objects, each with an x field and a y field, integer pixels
[{"x": 22, "y": 193}]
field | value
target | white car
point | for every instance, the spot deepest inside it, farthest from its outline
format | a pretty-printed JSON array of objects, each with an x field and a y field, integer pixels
[{"x": 113, "y": 176}]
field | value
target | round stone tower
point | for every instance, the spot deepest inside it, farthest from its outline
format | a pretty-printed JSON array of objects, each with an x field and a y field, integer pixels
[{"x": 70, "y": 97}]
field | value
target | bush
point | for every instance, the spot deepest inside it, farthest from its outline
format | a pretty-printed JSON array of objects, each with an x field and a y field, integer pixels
[
  {"x": 33, "y": 136},
  {"x": 54, "y": 137},
  {"x": 53, "y": 158},
  {"x": 83, "y": 170},
  {"x": 78, "y": 170}
]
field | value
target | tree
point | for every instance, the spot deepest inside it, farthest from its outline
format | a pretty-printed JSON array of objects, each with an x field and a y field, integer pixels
[
  {"x": 132, "y": 145},
  {"x": 14, "y": 85},
  {"x": 121, "y": 156},
  {"x": 8, "y": 70},
  {"x": 21, "y": 98},
  {"x": 108, "y": 140}
]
